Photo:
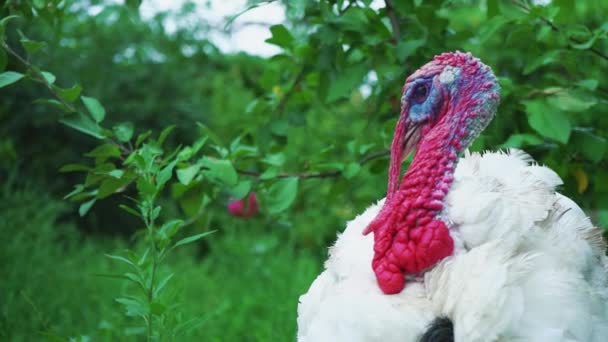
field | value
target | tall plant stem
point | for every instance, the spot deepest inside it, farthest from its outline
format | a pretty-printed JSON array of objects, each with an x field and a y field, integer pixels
[{"x": 151, "y": 291}]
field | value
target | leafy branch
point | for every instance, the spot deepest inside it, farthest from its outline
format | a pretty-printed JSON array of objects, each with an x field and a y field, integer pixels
[
  {"x": 328, "y": 174},
  {"x": 128, "y": 149},
  {"x": 392, "y": 16},
  {"x": 40, "y": 77},
  {"x": 525, "y": 8}
]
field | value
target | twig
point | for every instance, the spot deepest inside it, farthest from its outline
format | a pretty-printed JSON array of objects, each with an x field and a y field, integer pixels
[
  {"x": 373, "y": 156},
  {"x": 194, "y": 217},
  {"x": 231, "y": 19},
  {"x": 310, "y": 175},
  {"x": 241, "y": 25},
  {"x": 296, "y": 81},
  {"x": 543, "y": 92},
  {"x": 390, "y": 12},
  {"x": 555, "y": 28},
  {"x": 39, "y": 77}
]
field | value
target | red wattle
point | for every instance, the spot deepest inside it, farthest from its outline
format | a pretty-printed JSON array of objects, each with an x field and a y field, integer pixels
[{"x": 408, "y": 238}]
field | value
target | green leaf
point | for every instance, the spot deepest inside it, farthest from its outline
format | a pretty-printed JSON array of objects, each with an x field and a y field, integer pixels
[
  {"x": 104, "y": 151},
  {"x": 123, "y": 131},
  {"x": 552, "y": 124},
  {"x": 521, "y": 140},
  {"x": 354, "y": 19},
  {"x": 589, "y": 84},
  {"x": 542, "y": 60},
  {"x": 170, "y": 228},
  {"x": 133, "y": 307},
  {"x": 129, "y": 210},
  {"x": 133, "y": 4},
  {"x": 157, "y": 308},
  {"x": 164, "y": 134},
  {"x": 31, "y": 45},
  {"x": 161, "y": 284},
  {"x": 121, "y": 259},
  {"x": 186, "y": 175},
  {"x": 145, "y": 188},
  {"x": 51, "y": 337},
  {"x": 95, "y": 108},
  {"x": 55, "y": 103},
  {"x": 243, "y": 151},
  {"x": 571, "y": 101},
  {"x": 110, "y": 186},
  {"x": 83, "y": 196},
  {"x": 85, "y": 207},
  {"x": 346, "y": 82},
  {"x": 3, "y": 60},
  {"x": 207, "y": 133},
  {"x": 103, "y": 168},
  {"x": 142, "y": 137},
  {"x": 192, "y": 238},
  {"x": 603, "y": 218},
  {"x": 592, "y": 146},
  {"x": 165, "y": 174},
  {"x": 136, "y": 279},
  {"x": 232, "y": 18},
  {"x": 74, "y": 167},
  {"x": 40, "y": 4},
  {"x": 275, "y": 159},
  {"x": 582, "y": 38},
  {"x": 77, "y": 189},
  {"x": 240, "y": 190},
  {"x": 407, "y": 48},
  {"x": 48, "y": 77},
  {"x": 490, "y": 27},
  {"x": 351, "y": 170},
  {"x": 220, "y": 170},
  {"x": 83, "y": 124},
  {"x": 282, "y": 194},
  {"x": 136, "y": 159},
  {"x": 5, "y": 20},
  {"x": 9, "y": 77},
  {"x": 185, "y": 154},
  {"x": 69, "y": 94},
  {"x": 269, "y": 173},
  {"x": 3, "y": 24},
  {"x": 280, "y": 36}
]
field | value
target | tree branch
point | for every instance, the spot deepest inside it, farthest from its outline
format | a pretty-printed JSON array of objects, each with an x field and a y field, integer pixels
[
  {"x": 328, "y": 174},
  {"x": 296, "y": 81},
  {"x": 39, "y": 77},
  {"x": 390, "y": 12},
  {"x": 555, "y": 28}
]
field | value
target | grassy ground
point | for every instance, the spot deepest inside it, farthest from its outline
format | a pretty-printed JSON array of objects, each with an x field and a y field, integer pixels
[{"x": 244, "y": 282}]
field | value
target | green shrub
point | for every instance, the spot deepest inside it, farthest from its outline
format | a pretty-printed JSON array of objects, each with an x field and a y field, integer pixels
[{"x": 48, "y": 271}]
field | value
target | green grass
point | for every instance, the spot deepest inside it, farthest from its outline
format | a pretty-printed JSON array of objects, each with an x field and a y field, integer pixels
[{"x": 245, "y": 287}]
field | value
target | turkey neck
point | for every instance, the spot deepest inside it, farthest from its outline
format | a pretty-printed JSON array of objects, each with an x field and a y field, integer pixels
[{"x": 428, "y": 179}]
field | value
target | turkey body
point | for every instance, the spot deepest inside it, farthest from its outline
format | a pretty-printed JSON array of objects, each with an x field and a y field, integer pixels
[{"x": 528, "y": 265}]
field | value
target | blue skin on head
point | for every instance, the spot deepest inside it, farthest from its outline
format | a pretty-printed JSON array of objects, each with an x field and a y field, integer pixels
[
  {"x": 424, "y": 99},
  {"x": 426, "y": 95}
]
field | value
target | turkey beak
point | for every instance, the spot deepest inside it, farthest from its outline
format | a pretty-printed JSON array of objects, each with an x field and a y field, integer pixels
[{"x": 407, "y": 135}]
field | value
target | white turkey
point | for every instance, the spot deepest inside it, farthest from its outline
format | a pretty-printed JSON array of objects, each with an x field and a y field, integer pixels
[{"x": 480, "y": 248}]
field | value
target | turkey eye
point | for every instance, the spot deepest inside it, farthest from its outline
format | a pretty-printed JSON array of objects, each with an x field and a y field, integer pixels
[{"x": 420, "y": 92}]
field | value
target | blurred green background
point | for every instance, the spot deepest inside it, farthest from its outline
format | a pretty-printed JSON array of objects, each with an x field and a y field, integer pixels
[{"x": 323, "y": 104}]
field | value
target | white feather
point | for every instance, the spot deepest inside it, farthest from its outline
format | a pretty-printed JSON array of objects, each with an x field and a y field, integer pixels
[
  {"x": 345, "y": 304},
  {"x": 528, "y": 266}
]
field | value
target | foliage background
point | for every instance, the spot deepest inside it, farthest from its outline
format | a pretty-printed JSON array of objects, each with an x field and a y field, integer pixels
[{"x": 300, "y": 112}]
